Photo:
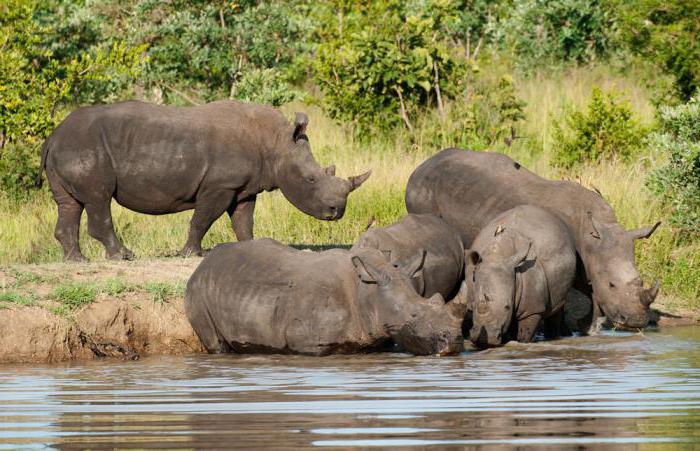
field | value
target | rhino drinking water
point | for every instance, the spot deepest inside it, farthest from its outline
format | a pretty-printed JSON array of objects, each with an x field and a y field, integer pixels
[
  {"x": 519, "y": 270},
  {"x": 469, "y": 189},
  {"x": 154, "y": 159},
  {"x": 444, "y": 261},
  {"x": 261, "y": 296}
]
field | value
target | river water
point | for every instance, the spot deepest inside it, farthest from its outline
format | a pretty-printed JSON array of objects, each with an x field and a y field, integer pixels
[{"x": 616, "y": 390}]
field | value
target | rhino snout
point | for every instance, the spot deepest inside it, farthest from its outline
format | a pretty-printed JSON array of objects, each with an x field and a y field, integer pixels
[
  {"x": 333, "y": 212},
  {"x": 483, "y": 338}
]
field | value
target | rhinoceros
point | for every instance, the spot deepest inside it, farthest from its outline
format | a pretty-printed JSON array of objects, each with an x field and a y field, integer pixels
[
  {"x": 444, "y": 255},
  {"x": 519, "y": 270},
  {"x": 156, "y": 159},
  {"x": 264, "y": 297},
  {"x": 469, "y": 189}
]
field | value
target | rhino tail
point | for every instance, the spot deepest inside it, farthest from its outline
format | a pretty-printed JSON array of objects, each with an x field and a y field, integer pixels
[{"x": 39, "y": 180}]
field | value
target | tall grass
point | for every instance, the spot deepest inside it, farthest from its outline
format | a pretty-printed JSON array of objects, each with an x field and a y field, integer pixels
[{"x": 26, "y": 230}]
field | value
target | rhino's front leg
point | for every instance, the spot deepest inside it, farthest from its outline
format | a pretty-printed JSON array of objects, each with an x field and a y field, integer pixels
[
  {"x": 242, "y": 214},
  {"x": 209, "y": 206},
  {"x": 527, "y": 328}
]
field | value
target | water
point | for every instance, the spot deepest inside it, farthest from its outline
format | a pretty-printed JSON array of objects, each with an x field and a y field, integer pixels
[{"x": 622, "y": 391}]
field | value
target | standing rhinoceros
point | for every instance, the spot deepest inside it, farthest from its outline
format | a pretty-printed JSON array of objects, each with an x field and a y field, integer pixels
[
  {"x": 468, "y": 189},
  {"x": 155, "y": 159},
  {"x": 444, "y": 255},
  {"x": 262, "y": 296},
  {"x": 519, "y": 270}
]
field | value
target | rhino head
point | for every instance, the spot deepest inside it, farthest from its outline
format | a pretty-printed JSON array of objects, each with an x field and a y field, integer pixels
[
  {"x": 608, "y": 253},
  {"x": 419, "y": 325},
  {"x": 312, "y": 189},
  {"x": 492, "y": 294}
]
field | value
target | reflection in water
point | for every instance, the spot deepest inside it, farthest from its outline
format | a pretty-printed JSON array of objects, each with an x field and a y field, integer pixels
[{"x": 618, "y": 390}]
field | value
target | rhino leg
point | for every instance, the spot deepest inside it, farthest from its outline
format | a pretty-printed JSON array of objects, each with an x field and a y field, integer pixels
[
  {"x": 242, "y": 213},
  {"x": 101, "y": 228},
  {"x": 67, "y": 230},
  {"x": 209, "y": 206},
  {"x": 527, "y": 328}
]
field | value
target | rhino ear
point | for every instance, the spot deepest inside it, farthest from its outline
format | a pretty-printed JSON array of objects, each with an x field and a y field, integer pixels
[
  {"x": 414, "y": 266},
  {"x": 644, "y": 232},
  {"x": 301, "y": 120},
  {"x": 520, "y": 256},
  {"x": 471, "y": 257},
  {"x": 357, "y": 180},
  {"x": 595, "y": 226},
  {"x": 330, "y": 170},
  {"x": 369, "y": 273}
]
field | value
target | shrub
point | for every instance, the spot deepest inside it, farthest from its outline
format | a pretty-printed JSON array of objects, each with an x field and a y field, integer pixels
[
  {"x": 666, "y": 32},
  {"x": 558, "y": 30},
  {"x": 678, "y": 183},
  {"x": 264, "y": 86},
  {"x": 605, "y": 130},
  {"x": 381, "y": 62}
]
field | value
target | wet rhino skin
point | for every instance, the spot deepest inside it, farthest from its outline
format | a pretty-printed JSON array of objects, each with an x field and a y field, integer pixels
[
  {"x": 444, "y": 260},
  {"x": 469, "y": 189},
  {"x": 263, "y": 297}
]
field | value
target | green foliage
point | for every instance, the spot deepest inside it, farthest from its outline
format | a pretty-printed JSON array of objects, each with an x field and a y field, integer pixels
[
  {"x": 378, "y": 62},
  {"x": 558, "y": 31},
  {"x": 163, "y": 291},
  {"x": 13, "y": 297},
  {"x": 264, "y": 86},
  {"x": 606, "y": 130},
  {"x": 668, "y": 33},
  {"x": 75, "y": 294},
  {"x": 678, "y": 183},
  {"x": 34, "y": 84},
  {"x": 487, "y": 115}
]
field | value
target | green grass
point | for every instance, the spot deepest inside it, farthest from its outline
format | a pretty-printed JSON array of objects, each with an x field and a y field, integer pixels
[
  {"x": 164, "y": 291},
  {"x": 75, "y": 294},
  {"x": 26, "y": 230},
  {"x": 16, "y": 298}
]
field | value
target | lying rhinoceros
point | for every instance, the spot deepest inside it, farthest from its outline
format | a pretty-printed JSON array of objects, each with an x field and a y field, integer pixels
[
  {"x": 519, "y": 269},
  {"x": 156, "y": 159},
  {"x": 262, "y": 296},
  {"x": 444, "y": 261},
  {"x": 469, "y": 189}
]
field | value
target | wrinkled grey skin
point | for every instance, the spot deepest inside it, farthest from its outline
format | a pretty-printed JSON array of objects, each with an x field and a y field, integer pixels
[
  {"x": 519, "y": 270},
  {"x": 469, "y": 189},
  {"x": 263, "y": 297},
  {"x": 444, "y": 261},
  {"x": 155, "y": 159}
]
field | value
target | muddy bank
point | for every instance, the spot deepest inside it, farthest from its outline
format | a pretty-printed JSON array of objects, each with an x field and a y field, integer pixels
[{"x": 62, "y": 311}]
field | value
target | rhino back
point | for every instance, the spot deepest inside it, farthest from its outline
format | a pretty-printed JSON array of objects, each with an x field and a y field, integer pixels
[
  {"x": 161, "y": 155},
  {"x": 262, "y": 295},
  {"x": 469, "y": 189}
]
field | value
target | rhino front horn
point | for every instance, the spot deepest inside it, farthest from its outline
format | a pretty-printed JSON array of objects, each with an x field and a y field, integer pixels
[
  {"x": 650, "y": 294},
  {"x": 357, "y": 180}
]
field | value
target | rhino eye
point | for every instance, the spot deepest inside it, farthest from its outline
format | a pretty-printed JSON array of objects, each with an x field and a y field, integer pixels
[
  {"x": 311, "y": 180},
  {"x": 612, "y": 285}
]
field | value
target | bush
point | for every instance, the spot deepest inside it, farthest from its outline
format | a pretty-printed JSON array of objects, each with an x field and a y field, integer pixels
[
  {"x": 678, "y": 183},
  {"x": 264, "y": 86},
  {"x": 558, "y": 31},
  {"x": 666, "y": 32},
  {"x": 380, "y": 61},
  {"x": 606, "y": 130}
]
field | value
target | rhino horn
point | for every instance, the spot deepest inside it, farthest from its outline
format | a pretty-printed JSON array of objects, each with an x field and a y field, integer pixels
[
  {"x": 644, "y": 232},
  {"x": 357, "y": 180},
  {"x": 649, "y": 295},
  {"x": 459, "y": 306}
]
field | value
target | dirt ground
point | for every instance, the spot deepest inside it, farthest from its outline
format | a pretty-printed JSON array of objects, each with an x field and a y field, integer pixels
[{"x": 132, "y": 322}]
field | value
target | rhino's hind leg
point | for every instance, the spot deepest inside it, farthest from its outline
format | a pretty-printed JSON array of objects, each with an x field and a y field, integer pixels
[
  {"x": 101, "y": 228},
  {"x": 67, "y": 230},
  {"x": 208, "y": 208}
]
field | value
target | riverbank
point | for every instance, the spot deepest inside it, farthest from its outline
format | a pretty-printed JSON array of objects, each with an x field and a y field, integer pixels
[{"x": 76, "y": 311}]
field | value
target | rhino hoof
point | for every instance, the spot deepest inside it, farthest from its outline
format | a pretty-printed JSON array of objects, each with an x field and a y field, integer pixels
[{"x": 124, "y": 254}]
